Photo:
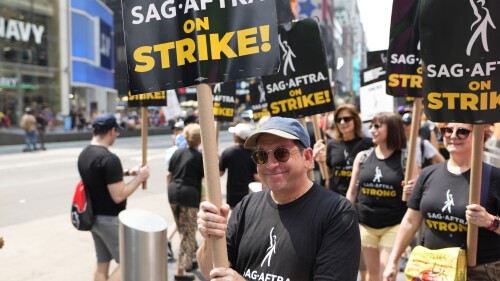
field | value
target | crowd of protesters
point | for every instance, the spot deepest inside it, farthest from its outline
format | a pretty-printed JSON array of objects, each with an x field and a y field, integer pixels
[{"x": 367, "y": 169}]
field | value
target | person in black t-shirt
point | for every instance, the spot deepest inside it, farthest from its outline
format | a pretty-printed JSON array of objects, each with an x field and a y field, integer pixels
[
  {"x": 102, "y": 174},
  {"x": 184, "y": 177},
  {"x": 295, "y": 230},
  {"x": 440, "y": 199},
  {"x": 375, "y": 188},
  {"x": 241, "y": 170},
  {"x": 347, "y": 142}
]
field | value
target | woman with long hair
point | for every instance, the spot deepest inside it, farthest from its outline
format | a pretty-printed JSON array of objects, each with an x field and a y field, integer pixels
[
  {"x": 347, "y": 142},
  {"x": 441, "y": 198},
  {"x": 375, "y": 188}
]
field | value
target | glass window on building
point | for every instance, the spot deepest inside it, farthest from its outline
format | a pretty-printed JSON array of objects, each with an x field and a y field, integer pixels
[{"x": 29, "y": 56}]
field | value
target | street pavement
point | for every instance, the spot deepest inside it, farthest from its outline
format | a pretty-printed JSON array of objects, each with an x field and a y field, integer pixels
[{"x": 40, "y": 242}]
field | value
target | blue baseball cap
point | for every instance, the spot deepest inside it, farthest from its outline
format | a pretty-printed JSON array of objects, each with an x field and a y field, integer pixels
[
  {"x": 287, "y": 128},
  {"x": 106, "y": 121}
]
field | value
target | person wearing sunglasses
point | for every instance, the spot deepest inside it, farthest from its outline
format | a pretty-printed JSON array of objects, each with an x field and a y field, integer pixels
[
  {"x": 348, "y": 140},
  {"x": 425, "y": 153},
  {"x": 375, "y": 188},
  {"x": 294, "y": 230},
  {"x": 441, "y": 198}
]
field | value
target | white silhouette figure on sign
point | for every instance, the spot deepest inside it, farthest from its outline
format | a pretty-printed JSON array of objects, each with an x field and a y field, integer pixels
[
  {"x": 217, "y": 88},
  {"x": 262, "y": 98},
  {"x": 271, "y": 250},
  {"x": 482, "y": 28},
  {"x": 449, "y": 202},
  {"x": 378, "y": 175},
  {"x": 287, "y": 56}
]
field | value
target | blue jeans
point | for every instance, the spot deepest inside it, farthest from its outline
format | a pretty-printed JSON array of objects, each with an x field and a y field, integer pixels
[{"x": 30, "y": 140}]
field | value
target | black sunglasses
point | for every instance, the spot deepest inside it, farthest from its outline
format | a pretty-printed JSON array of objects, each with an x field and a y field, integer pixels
[
  {"x": 461, "y": 133},
  {"x": 376, "y": 126},
  {"x": 345, "y": 119},
  {"x": 281, "y": 153}
]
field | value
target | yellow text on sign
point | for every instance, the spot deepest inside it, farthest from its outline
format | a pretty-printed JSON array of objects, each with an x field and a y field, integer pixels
[
  {"x": 189, "y": 50},
  {"x": 299, "y": 101},
  {"x": 147, "y": 96},
  {"x": 485, "y": 100},
  {"x": 223, "y": 111}
]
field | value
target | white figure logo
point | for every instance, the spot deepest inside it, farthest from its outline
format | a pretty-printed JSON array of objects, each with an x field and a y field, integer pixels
[
  {"x": 482, "y": 27},
  {"x": 378, "y": 175},
  {"x": 262, "y": 98},
  {"x": 449, "y": 202},
  {"x": 271, "y": 250},
  {"x": 217, "y": 88},
  {"x": 287, "y": 56}
]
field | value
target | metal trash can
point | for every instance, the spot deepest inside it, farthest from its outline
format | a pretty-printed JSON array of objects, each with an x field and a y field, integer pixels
[{"x": 143, "y": 246}]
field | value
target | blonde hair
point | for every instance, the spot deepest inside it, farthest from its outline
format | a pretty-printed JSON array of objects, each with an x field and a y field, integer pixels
[{"x": 192, "y": 134}]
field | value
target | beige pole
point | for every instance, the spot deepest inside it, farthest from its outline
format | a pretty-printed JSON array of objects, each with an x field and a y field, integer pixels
[
  {"x": 211, "y": 167},
  {"x": 415, "y": 124},
  {"x": 310, "y": 170},
  {"x": 144, "y": 136},
  {"x": 475, "y": 189},
  {"x": 317, "y": 135}
]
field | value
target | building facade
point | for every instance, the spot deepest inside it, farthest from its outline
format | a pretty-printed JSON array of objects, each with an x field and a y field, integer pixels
[{"x": 29, "y": 56}]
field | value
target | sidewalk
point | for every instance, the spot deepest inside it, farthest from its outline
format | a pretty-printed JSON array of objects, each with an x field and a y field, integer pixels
[
  {"x": 14, "y": 135},
  {"x": 51, "y": 249}
]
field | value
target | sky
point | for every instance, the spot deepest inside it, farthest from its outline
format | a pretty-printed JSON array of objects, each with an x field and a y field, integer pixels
[{"x": 376, "y": 19}]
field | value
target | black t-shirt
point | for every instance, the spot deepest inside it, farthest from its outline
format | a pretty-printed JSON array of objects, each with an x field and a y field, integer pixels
[
  {"x": 315, "y": 237},
  {"x": 380, "y": 192},
  {"x": 186, "y": 166},
  {"x": 339, "y": 157},
  {"x": 441, "y": 197},
  {"x": 98, "y": 167},
  {"x": 240, "y": 172}
]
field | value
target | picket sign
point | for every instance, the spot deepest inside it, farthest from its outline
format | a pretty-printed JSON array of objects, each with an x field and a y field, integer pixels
[{"x": 211, "y": 166}]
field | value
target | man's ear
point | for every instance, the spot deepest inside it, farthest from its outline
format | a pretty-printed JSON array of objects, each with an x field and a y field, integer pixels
[{"x": 308, "y": 155}]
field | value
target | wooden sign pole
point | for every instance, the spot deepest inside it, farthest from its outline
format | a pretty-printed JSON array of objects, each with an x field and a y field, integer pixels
[
  {"x": 475, "y": 189},
  {"x": 317, "y": 135},
  {"x": 415, "y": 125},
  {"x": 310, "y": 171},
  {"x": 217, "y": 133},
  {"x": 144, "y": 136},
  {"x": 211, "y": 167}
]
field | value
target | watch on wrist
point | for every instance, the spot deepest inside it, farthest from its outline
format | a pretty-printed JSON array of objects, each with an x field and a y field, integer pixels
[
  {"x": 126, "y": 172},
  {"x": 495, "y": 223}
]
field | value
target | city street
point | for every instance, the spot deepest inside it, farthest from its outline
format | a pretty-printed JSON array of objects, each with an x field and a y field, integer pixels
[{"x": 35, "y": 197}]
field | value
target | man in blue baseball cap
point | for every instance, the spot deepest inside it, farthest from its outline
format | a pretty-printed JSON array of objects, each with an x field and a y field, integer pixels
[
  {"x": 295, "y": 230},
  {"x": 102, "y": 175}
]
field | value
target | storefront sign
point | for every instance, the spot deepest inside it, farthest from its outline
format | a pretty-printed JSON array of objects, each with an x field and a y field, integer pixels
[{"x": 21, "y": 31}]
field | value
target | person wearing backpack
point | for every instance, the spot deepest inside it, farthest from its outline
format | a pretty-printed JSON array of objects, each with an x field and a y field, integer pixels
[
  {"x": 102, "y": 174},
  {"x": 425, "y": 153},
  {"x": 375, "y": 189}
]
